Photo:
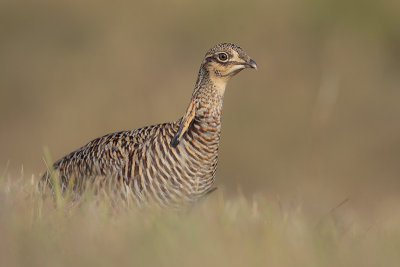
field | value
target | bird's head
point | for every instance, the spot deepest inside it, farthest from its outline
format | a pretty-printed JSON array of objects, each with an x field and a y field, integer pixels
[
  {"x": 225, "y": 60},
  {"x": 221, "y": 63}
]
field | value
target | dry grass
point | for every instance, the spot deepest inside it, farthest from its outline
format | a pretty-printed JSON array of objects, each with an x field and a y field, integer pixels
[{"x": 99, "y": 230}]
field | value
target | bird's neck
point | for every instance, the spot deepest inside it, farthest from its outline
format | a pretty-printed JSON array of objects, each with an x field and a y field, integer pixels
[{"x": 208, "y": 97}]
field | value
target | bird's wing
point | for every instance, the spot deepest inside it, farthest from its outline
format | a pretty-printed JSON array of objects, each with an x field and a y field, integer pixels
[{"x": 104, "y": 156}]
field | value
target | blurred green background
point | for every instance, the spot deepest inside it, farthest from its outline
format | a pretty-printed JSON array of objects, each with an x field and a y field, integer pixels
[{"x": 319, "y": 121}]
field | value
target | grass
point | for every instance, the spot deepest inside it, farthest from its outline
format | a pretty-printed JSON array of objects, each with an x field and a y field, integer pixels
[{"x": 101, "y": 230}]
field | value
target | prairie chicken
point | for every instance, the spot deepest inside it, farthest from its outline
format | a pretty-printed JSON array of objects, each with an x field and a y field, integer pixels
[{"x": 170, "y": 162}]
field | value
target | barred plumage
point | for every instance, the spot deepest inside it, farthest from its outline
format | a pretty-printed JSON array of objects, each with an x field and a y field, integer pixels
[{"x": 170, "y": 162}]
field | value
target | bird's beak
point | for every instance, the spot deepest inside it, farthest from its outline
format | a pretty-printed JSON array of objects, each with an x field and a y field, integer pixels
[{"x": 251, "y": 64}]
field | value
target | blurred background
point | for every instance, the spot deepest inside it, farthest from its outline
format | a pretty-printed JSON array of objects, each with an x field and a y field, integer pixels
[{"x": 318, "y": 123}]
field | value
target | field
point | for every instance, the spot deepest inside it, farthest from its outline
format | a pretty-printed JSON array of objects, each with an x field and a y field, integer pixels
[
  {"x": 308, "y": 170},
  {"x": 104, "y": 230}
]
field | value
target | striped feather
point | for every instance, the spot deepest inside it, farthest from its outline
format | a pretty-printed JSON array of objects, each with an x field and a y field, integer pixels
[{"x": 165, "y": 163}]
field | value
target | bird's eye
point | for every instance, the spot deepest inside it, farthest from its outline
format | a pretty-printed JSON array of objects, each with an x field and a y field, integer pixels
[{"x": 223, "y": 57}]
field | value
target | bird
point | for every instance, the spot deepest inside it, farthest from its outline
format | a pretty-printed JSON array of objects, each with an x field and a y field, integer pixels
[{"x": 166, "y": 163}]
